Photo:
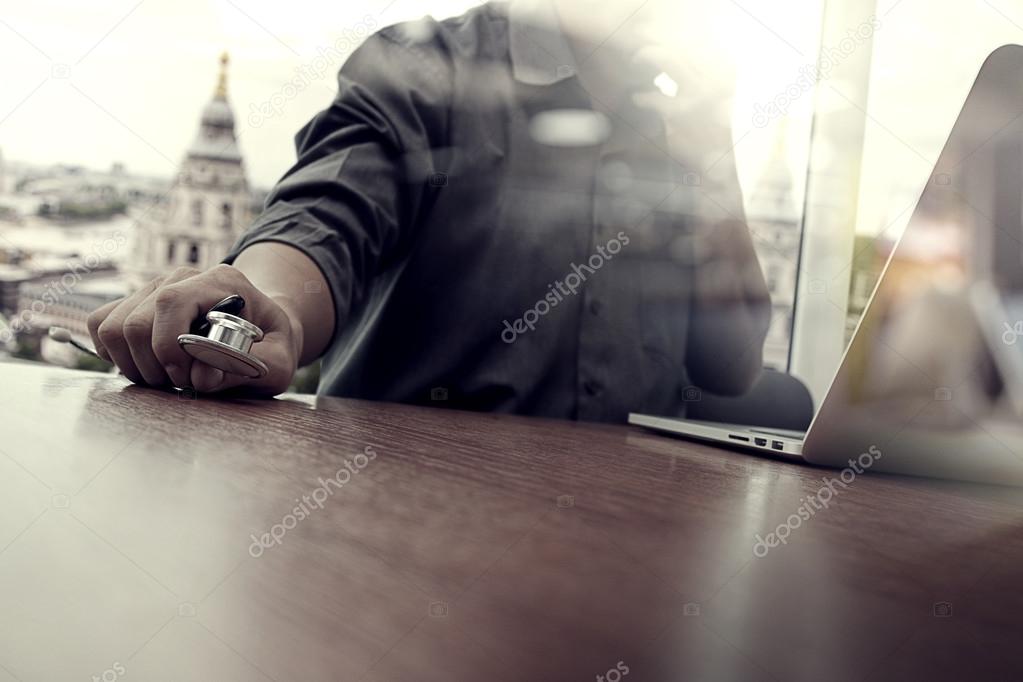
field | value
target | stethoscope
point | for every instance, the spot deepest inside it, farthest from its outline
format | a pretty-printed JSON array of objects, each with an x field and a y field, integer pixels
[
  {"x": 223, "y": 340},
  {"x": 220, "y": 338}
]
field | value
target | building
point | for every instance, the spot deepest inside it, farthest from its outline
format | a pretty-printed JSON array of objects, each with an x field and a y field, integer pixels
[
  {"x": 8, "y": 214},
  {"x": 46, "y": 304},
  {"x": 38, "y": 295},
  {"x": 11, "y": 278},
  {"x": 67, "y": 193},
  {"x": 30, "y": 291},
  {"x": 208, "y": 203},
  {"x": 775, "y": 218}
]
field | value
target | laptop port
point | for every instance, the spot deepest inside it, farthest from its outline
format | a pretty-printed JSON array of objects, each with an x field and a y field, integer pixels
[
  {"x": 733, "y": 436},
  {"x": 777, "y": 445},
  {"x": 760, "y": 441}
]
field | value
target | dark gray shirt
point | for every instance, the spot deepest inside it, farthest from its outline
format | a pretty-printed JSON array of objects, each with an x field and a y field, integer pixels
[{"x": 493, "y": 238}]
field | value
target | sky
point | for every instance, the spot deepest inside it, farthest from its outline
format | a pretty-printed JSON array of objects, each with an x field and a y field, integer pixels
[{"x": 125, "y": 80}]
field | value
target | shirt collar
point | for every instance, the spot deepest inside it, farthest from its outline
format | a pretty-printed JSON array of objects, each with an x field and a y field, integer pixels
[{"x": 540, "y": 53}]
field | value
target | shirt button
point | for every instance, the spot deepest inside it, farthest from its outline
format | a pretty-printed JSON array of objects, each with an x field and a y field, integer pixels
[
  {"x": 595, "y": 306},
  {"x": 592, "y": 388}
]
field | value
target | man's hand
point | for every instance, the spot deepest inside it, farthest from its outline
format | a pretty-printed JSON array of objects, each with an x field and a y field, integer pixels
[{"x": 140, "y": 333}]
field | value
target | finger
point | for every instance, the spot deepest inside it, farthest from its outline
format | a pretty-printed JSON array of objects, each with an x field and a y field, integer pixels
[
  {"x": 111, "y": 333},
  {"x": 95, "y": 319},
  {"x": 208, "y": 379},
  {"x": 138, "y": 332},
  {"x": 177, "y": 305},
  {"x": 276, "y": 352}
]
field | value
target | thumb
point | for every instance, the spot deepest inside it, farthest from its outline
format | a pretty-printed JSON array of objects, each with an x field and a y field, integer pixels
[
  {"x": 206, "y": 378},
  {"x": 276, "y": 351}
]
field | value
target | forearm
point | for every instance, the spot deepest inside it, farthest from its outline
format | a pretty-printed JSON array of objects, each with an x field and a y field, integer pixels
[{"x": 294, "y": 282}]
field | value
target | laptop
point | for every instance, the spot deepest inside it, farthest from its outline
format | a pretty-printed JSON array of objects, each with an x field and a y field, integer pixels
[{"x": 930, "y": 383}]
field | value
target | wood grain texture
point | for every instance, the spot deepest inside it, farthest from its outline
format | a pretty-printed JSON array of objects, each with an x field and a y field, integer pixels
[{"x": 472, "y": 547}]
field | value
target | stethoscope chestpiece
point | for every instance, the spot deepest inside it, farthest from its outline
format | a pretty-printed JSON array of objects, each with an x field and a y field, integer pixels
[{"x": 226, "y": 344}]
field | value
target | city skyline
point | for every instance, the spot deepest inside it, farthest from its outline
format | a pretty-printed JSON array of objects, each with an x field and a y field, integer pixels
[
  {"x": 124, "y": 75},
  {"x": 124, "y": 82}
]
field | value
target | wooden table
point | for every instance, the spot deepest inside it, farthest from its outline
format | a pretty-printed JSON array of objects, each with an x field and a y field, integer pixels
[{"x": 471, "y": 547}]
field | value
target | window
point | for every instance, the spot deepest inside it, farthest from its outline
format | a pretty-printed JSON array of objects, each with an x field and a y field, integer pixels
[
  {"x": 197, "y": 212},
  {"x": 170, "y": 251},
  {"x": 193, "y": 253},
  {"x": 882, "y": 119},
  {"x": 900, "y": 145},
  {"x": 226, "y": 212}
]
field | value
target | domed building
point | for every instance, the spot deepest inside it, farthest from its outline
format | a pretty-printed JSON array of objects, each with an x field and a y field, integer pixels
[{"x": 208, "y": 204}]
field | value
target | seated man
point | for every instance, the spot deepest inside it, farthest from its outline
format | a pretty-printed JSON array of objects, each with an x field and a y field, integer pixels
[{"x": 496, "y": 207}]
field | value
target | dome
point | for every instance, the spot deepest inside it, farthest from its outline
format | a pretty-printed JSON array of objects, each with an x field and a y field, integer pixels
[
  {"x": 215, "y": 138},
  {"x": 218, "y": 114}
]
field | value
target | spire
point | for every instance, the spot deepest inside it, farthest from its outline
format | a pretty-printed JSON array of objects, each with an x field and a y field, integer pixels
[
  {"x": 221, "y": 91},
  {"x": 215, "y": 138}
]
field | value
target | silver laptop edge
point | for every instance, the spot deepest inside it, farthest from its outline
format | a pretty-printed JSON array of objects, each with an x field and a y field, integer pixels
[
  {"x": 734, "y": 434},
  {"x": 858, "y": 411}
]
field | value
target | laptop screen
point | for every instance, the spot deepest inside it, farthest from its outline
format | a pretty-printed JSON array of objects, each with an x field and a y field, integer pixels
[{"x": 918, "y": 377}]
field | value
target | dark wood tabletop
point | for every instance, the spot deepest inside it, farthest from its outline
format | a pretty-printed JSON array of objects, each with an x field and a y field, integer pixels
[{"x": 148, "y": 535}]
